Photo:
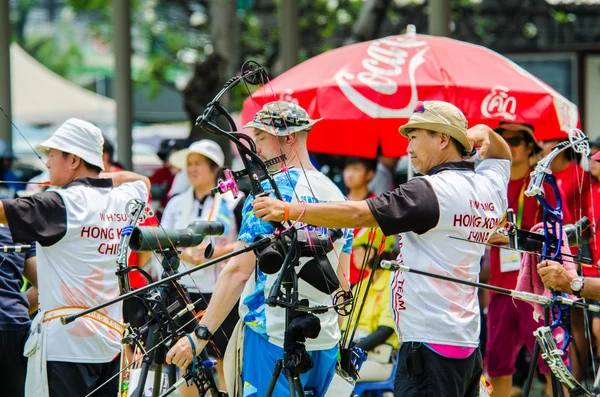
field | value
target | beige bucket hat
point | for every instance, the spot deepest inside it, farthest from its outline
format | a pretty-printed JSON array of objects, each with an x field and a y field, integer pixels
[{"x": 441, "y": 117}]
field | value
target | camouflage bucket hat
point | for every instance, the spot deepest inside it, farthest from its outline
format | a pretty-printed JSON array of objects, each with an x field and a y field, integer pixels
[{"x": 281, "y": 118}]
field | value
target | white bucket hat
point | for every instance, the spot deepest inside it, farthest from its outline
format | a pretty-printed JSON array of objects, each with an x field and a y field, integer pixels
[
  {"x": 206, "y": 147},
  {"x": 80, "y": 138}
]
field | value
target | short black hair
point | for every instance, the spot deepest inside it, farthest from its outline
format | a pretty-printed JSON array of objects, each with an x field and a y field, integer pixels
[
  {"x": 109, "y": 149},
  {"x": 369, "y": 164},
  {"x": 87, "y": 165},
  {"x": 91, "y": 167},
  {"x": 213, "y": 166}
]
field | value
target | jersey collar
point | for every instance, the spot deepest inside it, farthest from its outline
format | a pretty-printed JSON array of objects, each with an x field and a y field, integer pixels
[
  {"x": 91, "y": 182},
  {"x": 452, "y": 166}
]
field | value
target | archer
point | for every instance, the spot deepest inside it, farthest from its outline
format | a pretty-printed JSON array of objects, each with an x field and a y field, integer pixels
[
  {"x": 279, "y": 128},
  {"x": 72, "y": 273}
]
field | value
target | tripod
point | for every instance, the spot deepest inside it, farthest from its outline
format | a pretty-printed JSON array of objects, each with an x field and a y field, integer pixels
[{"x": 298, "y": 327}]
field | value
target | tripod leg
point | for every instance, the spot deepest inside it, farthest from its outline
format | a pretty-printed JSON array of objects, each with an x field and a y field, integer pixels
[
  {"x": 157, "y": 380},
  {"x": 291, "y": 383},
  {"x": 299, "y": 388},
  {"x": 274, "y": 378},
  {"x": 531, "y": 374},
  {"x": 146, "y": 362}
]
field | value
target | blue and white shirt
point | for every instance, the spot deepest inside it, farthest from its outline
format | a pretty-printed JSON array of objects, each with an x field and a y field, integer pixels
[{"x": 295, "y": 186}]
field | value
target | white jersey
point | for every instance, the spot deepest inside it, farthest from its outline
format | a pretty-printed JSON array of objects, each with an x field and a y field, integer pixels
[
  {"x": 76, "y": 262},
  {"x": 451, "y": 201},
  {"x": 183, "y": 209}
]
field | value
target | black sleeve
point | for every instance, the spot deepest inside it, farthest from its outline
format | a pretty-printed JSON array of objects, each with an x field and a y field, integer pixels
[
  {"x": 411, "y": 207},
  {"x": 41, "y": 217},
  {"x": 381, "y": 334}
]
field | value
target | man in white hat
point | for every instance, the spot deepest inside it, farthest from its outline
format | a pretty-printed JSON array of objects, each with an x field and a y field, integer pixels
[
  {"x": 437, "y": 321},
  {"x": 77, "y": 231},
  {"x": 278, "y": 128}
]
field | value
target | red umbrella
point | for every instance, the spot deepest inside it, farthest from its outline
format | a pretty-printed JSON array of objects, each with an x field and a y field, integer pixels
[{"x": 365, "y": 91}]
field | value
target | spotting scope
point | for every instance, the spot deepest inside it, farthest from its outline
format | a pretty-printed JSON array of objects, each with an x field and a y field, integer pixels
[{"x": 155, "y": 238}]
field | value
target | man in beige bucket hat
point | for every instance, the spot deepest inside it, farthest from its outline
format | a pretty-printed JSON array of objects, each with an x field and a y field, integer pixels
[
  {"x": 437, "y": 322},
  {"x": 76, "y": 228}
]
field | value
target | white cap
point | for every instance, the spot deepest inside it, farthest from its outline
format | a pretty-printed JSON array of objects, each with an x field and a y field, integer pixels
[
  {"x": 80, "y": 138},
  {"x": 206, "y": 147}
]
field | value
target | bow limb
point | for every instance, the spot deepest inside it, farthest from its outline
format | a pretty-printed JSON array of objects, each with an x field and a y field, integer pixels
[{"x": 293, "y": 154}]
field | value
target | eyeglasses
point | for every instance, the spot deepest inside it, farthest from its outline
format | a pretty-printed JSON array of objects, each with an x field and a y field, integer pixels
[{"x": 514, "y": 142}]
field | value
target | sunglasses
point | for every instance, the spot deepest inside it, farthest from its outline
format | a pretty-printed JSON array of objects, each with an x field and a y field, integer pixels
[{"x": 514, "y": 142}]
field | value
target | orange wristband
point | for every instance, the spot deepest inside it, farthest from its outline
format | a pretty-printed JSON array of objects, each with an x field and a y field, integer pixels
[{"x": 286, "y": 212}]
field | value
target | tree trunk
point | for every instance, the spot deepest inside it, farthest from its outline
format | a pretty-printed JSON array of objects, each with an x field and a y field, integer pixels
[
  {"x": 206, "y": 81},
  {"x": 209, "y": 76},
  {"x": 369, "y": 21},
  {"x": 225, "y": 36}
]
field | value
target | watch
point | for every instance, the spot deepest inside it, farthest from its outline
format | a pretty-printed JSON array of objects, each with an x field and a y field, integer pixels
[
  {"x": 202, "y": 332},
  {"x": 577, "y": 286}
]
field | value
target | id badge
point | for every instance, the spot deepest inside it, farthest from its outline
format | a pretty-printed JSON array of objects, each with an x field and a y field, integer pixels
[{"x": 510, "y": 261}]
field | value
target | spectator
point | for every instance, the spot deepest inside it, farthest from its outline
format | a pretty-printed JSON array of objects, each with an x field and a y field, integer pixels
[
  {"x": 358, "y": 172},
  {"x": 375, "y": 325}
]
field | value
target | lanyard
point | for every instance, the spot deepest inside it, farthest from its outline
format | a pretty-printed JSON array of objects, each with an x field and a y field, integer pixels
[{"x": 521, "y": 205}]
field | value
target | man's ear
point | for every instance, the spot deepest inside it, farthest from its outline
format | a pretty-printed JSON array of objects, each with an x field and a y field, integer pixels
[
  {"x": 445, "y": 140},
  {"x": 75, "y": 162},
  {"x": 290, "y": 139}
]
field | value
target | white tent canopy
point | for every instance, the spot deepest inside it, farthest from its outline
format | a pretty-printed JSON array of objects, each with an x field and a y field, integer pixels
[{"x": 40, "y": 96}]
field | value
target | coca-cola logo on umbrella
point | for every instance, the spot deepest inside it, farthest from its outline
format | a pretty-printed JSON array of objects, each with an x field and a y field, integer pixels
[
  {"x": 386, "y": 61},
  {"x": 499, "y": 104}
]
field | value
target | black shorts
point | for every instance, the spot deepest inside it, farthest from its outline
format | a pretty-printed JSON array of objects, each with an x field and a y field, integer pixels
[
  {"x": 13, "y": 365},
  {"x": 79, "y": 379},
  {"x": 424, "y": 373},
  {"x": 216, "y": 348}
]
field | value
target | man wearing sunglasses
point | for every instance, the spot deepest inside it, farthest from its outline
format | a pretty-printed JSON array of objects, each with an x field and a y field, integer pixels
[
  {"x": 438, "y": 322},
  {"x": 510, "y": 322}
]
